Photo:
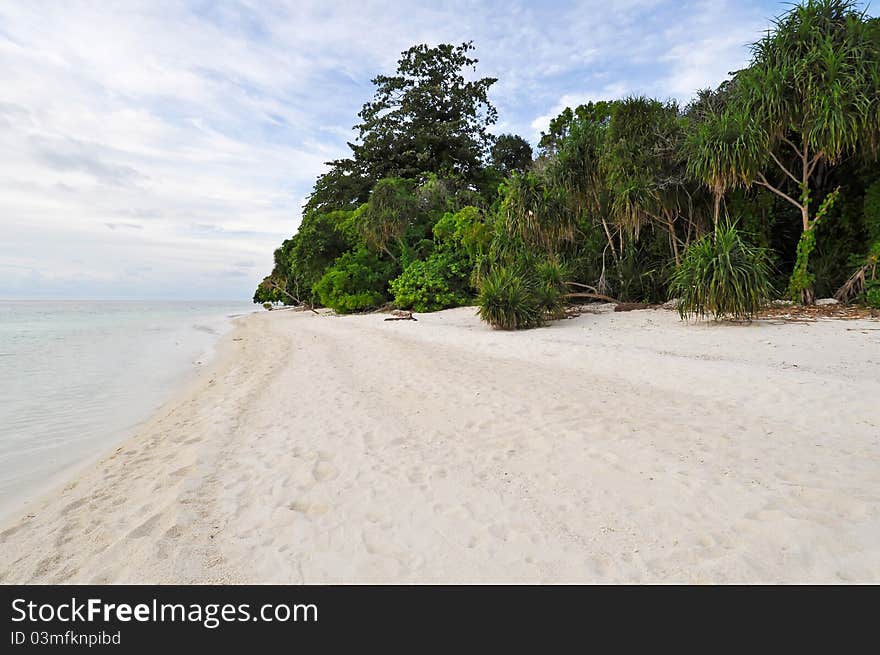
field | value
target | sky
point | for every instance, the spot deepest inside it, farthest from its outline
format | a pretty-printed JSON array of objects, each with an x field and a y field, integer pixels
[{"x": 164, "y": 149}]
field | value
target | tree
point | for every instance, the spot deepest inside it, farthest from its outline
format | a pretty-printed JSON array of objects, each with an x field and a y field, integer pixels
[
  {"x": 320, "y": 239},
  {"x": 812, "y": 89},
  {"x": 392, "y": 208},
  {"x": 644, "y": 166},
  {"x": 344, "y": 186},
  {"x": 536, "y": 213},
  {"x": 577, "y": 164},
  {"x": 720, "y": 148},
  {"x": 511, "y": 153},
  {"x": 426, "y": 118}
]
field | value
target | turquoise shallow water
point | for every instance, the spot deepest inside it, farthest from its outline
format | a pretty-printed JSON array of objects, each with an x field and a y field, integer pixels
[{"x": 77, "y": 377}]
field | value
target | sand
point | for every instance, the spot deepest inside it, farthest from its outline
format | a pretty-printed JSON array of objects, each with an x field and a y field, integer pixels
[{"x": 614, "y": 447}]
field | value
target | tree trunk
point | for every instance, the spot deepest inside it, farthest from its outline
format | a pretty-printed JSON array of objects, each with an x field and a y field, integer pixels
[
  {"x": 716, "y": 208},
  {"x": 610, "y": 240},
  {"x": 671, "y": 226}
]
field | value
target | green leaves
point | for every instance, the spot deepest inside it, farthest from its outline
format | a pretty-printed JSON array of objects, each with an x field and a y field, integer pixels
[
  {"x": 389, "y": 212},
  {"x": 523, "y": 295},
  {"x": 537, "y": 212},
  {"x": 356, "y": 282},
  {"x": 507, "y": 300},
  {"x": 511, "y": 153},
  {"x": 722, "y": 275},
  {"x": 433, "y": 284},
  {"x": 815, "y": 76},
  {"x": 643, "y": 162},
  {"x": 725, "y": 149},
  {"x": 427, "y": 118}
]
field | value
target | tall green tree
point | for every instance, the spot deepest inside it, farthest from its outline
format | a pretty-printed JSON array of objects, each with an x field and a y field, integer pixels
[
  {"x": 720, "y": 148},
  {"x": 812, "y": 89},
  {"x": 510, "y": 153},
  {"x": 577, "y": 166},
  {"x": 535, "y": 212},
  {"x": 645, "y": 168},
  {"x": 385, "y": 218},
  {"x": 427, "y": 118}
]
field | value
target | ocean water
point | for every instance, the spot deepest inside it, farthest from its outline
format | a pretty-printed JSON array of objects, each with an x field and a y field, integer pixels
[{"x": 78, "y": 377}]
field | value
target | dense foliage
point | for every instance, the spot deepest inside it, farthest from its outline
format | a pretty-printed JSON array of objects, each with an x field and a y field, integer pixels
[
  {"x": 630, "y": 198},
  {"x": 723, "y": 275},
  {"x": 356, "y": 281}
]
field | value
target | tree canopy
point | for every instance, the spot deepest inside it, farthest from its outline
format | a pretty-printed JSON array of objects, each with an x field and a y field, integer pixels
[{"x": 766, "y": 185}]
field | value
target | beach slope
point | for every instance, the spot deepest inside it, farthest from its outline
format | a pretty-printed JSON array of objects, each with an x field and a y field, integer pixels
[{"x": 614, "y": 447}]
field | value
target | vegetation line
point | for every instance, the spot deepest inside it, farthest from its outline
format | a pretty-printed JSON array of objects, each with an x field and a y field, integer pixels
[{"x": 765, "y": 187}]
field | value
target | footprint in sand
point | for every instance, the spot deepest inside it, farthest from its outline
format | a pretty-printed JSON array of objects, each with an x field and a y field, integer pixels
[
  {"x": 145, "y": 528},
  {"x": 309, "y": 509},
  {"x": 324, "y": 471},
  {"x": 74, "y": 505}
]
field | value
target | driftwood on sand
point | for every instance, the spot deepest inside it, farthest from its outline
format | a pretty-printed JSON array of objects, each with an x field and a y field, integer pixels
[{"x": 399, "y": 315}]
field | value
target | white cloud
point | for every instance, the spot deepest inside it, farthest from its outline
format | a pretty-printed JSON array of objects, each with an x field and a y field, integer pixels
[{"x": 128, "y": 127}]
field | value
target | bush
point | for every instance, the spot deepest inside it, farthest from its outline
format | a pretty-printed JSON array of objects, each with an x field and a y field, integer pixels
[
  {"x": 432, "y": 284},
  {"x": 507, "y": 300},
  {"x": 872, "y": 294},
  {"x": 723, "y": 275},
  {"x": 356, "y": 281},
  {"x": 550, "y": 288}
]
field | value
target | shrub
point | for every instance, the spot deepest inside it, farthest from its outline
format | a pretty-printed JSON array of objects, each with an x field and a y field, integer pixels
[
  {"x": 872, "y": 293},
  {"x": 723, "y": 275},
  {"x": 432, "y": 284},
  {"x": 356, "y": 281},
  {"x": 508, "y": 301},
  {"x": 550, "y": 288}
]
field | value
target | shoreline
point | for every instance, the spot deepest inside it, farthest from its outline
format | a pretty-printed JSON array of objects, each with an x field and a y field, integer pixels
[
  {"x": 625, "y": 447},
  {"x": 182, "y": 376}
]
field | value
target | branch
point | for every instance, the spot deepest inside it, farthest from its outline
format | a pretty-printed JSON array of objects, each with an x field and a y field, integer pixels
[
  {"x": 763, "y": 182},
  {"x": 582, "y": 286},
  {"x": 291, "y": 296},
  {"x": 595, "y": 296},
  {"x": 814, "y": 162},
  {"x": 784, "y": 169},
  {"x": 797, "y": 150}
]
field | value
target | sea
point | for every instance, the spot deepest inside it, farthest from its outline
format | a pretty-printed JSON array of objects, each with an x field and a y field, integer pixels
[{"x": 77, "y": 377}]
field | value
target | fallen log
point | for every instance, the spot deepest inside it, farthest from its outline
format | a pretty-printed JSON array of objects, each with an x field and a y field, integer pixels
[
  {"x": 594, "y": 296},
  {"x": 402, "y": 316}
]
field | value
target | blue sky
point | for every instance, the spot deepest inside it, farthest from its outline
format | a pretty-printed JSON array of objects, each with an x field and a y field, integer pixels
[{"x": 163, "y": 149}]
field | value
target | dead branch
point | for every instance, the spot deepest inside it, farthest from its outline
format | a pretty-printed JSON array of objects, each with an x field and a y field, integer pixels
[
  {"x": 402, "y": 316},
  {"x": 291, "y": 296},
  {"x": 594, "y": 296},
  {"x": 857, "y": 282}
]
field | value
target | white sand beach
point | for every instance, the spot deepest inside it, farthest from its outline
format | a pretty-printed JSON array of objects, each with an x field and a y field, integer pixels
[{"x": 614, "y": 447}]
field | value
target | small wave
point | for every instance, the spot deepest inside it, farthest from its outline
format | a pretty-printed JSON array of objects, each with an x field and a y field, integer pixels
[{"x": 205, "y": 328}]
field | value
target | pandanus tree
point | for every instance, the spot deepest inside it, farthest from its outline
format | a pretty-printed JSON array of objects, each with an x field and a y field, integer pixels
[
  {"x": 723, "y": 151},
  {"x": 809, "y": 99},
  {"x": 577, "y": 165},
  {"x": 385, "y": 218},
  {"x": 536, "y": 213},
  {"x": 644, "y": 167}
]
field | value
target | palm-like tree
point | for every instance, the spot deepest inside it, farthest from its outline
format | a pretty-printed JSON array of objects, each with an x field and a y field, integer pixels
[
  {"x": 644, "y": 167},
  {"x": 810, "y": 98},
  {"x": 537, "y": 212},
  {"x": 387, "y": 215},
  {"x": 724, "y": 150}
]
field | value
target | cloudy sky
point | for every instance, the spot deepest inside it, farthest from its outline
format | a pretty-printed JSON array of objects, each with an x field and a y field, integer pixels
[{"x": 163, "y": 149}]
